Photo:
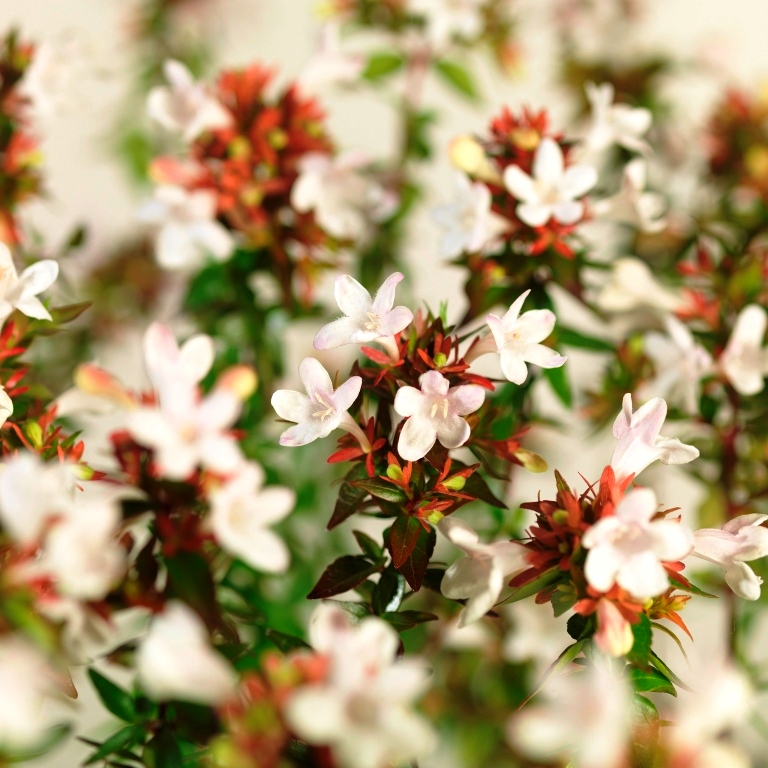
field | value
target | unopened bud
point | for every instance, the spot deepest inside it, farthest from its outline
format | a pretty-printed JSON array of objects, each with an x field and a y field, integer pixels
[
  {"x": 455, "y": 483},
  {"x": 34, "y": 432},
  {"x": 433, "y": 518},
  {"x": 96, "y": 381},
  {"x": 239, "y": 380},
  {"x": 440, "y": 359},
  {"x": 395, "y": 473},
  {"x": 560, "y": 516},
  {"x": 239, "y": 148},
  {"x": 468, "y": 155}
]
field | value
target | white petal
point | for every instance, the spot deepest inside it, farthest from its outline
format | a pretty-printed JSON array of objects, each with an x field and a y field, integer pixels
[
  {"x": 519, "y": 184},
  {"x": 534, "y": 214},
  {"x": 513, "y": 367},
  {"x": 292, "y": 405},
  {"x": 465, "y": 399},
  {"x": 315, "y": 378},
  {"x": 385, "y": 296},
  {"x": 601, "y": 567},
  {"x": 417, "y": 438},
  {"x": 459, "y": 533},
  {"x": 337, "y": 333},
  {"x": 409, "y": 401},
  {"x": 353, "y": 299},
  {"x": 542, "y": 356},
  {"x": 38, "y": 277},
  {"x": 578, "y": 180},
  {"x": 743, "y": 581},
  {"x": 452, "y": 431},
  {"x": 643, "y": 576},
  {"x": 548, "y": 163},
  {"x": 347, "y": 393},
  {"x": 568, "y": 212}
]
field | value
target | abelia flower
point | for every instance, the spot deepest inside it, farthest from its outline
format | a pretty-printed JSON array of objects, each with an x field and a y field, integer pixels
[
  {"x": 614, "y": 633},
  {"x": 365, "y": 318},
  {"x": 446, "y": 20},
  {"x": 639, "y": 442},
  {"x": 6, "y": 406},
  {"x": 321, "y": 410},
  {"x": 480, "y": 576},
  {"x": 517, "y": 339},
  {"x": 629, "y": 547},
  {"x": 631, "y": 285},
  {"x": 435, "y": 413},
  {"x": 553, "y": 190},
  {"x": 744, "y": 362},
  {"x": 615, "y": 124},
  {"x": 20, "y": 291},
  {"x": 187, "y": 228},
  {"x": 330, "y": 65},
  {"x": 241, "y": 510},
  {"x": 633, "y": 205},
  {"x": 362, "y": 708},
  {"x": 742, "y": 539},
  {"x": 176, "y": 661},
  {"x": 185, "y": 107}
]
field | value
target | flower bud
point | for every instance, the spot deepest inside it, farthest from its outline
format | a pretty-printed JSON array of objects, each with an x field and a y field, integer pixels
[
  {"x": 614, "y": 633},
  {"x": 455, "y": 483},
  {"x": 468, "y": 155},
  {"x": 395, "y": 473}
]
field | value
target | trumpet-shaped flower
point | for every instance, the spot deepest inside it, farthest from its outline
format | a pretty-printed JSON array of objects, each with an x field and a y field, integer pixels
[
  {"x": 185, "y": 107},
  {"x": 639, "y": 442},
  {"x": 176, "y": 661},
  {"x": 365, "y": 318},
  {"x": 187, "y": 227},
  {"x": 633, "y": 205},
  {"x": 631, "y": 285},
  {"x": 241, "y": 510},
  {"x": 479, "y": 577},
  {"x": 19, "y": 291},
  {"x": 615, "y": 124},
  {"x": 629, "y": 547},
  {"x": 740, "y": 540},
  {"x": 744, "y": 361},
  {"x": 553, "y": 190},
  {"x": 321, "y": 410},
  {"x": 435, "y": 413},
  {"x": 330, "y": 65}
]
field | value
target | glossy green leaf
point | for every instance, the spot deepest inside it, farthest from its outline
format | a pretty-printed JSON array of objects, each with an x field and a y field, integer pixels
[{"x": 119, "y": 702}]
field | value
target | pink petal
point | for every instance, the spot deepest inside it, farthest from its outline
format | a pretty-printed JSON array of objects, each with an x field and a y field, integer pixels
[
  {"x": 568, "y": 212},
  {"x": 385, "y": 296},
  {"x": 353, "y": 299},
  {"x": 395, "y": 321},
  {"x": 536, "y": 324},
  {"x": 542, "y": 356},
  {"x": 434, "y": 383},
  {"x": 347, "y": 393},
  {"x": 315, "y": 378},
  {"x": 509, "y": 320},
  {"x": 466, "y": 398},
  {"x": 513, "y": 367},
  {"x": 452, "y": 431},
  {"x": 196, "y": 357}
]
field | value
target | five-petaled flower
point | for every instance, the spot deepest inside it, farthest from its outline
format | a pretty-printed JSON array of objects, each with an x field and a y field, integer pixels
[
  {"x": 744, "y": 361},
  {"x": 553, "y": 190},
  {"x": 20, "y": 291},
  {"x": 615, "y": 124},
  {"x": 633, "y": 204},
  {"x": 629, "y": 547},
  {"x": 434, "y": 413}
]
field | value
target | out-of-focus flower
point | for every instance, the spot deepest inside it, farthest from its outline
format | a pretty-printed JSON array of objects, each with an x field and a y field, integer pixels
[
  {"x": 629, "y": 547},
  {"x": 20, "y": 291},
  {"x": 345, "y": 201},
  {"x": 241, "y": 510},
  {"x": 187, "y": 228},
  {"x": 639, "y": 442},
  {"x": 176, "y": 661},
  {"x": 631, "y": 285},
  {"x": 739, "y": 540},
  {"x": 185, "y": 106},
  {"x": 365, "y": 318},
  {"x": 330, "y": 65},
  {"x": 744, "y": 361},
  {"x": 680, "y": 363},
  {"x": 446, "y": 20},
  {"x": 362, "y": 709},
  {"x": 633, "y": 205},
  {"x": 321, "y": 410},
  {"x": 434, "y": 413},
  {"x": 478, "y": 577},
  {"x": 468, "y": 222},
  {"x": 467, "y": 154},
  {"x": 536, "y": 634},
  {"x": 553, "y": 190},
  {"x": 615, "y": 124},
  {"x": 6, "y": 406},
  {"x": 585, "y": 720},
  {"x": 614, "y": 633}
]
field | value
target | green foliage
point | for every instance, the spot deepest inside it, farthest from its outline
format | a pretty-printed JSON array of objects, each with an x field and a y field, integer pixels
[
  {"x": 343, "y": 574},
  {"x": 382, "y": 64},
  {"x": 119, "y": 702},
  {"x": 458, "y": 78}
]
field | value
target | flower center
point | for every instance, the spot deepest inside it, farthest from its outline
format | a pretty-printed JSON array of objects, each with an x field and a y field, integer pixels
[
  {"x": 373, "y": 323},
  {"x": 436, "y": 405},
  {"x": 322, "y": 414}
]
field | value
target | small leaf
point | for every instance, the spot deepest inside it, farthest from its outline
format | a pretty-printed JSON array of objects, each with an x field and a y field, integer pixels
[
  {"x": 415, "y": 566},
  {"x": 358, "y": 610},
  {"x": 343, "y": 574},
  {"x": 286, "y": 643},
  {"x": 578, "y": 626},
  {"x": 570, "y": 338},
  {"x": 163, "y": 751},
  {"x": 563, "y": 599},
  {"x": 546, "y": 579},
  {"x": 650, "y": 681},
  {"x": 692, "y": 588},
  {"x": 641, "y": 647},
  {"x": 190, "y": 580},
  {"x": 68, "y": 313},
  {"x": 667, "y": 672},
  {"x": 382, "y": 64},
  {"x": 559, "y": 664},
  {"x": 403, "y": 536},
  {"x": 558, "y": 380},
  {"x": 407, "y": 619},
  {"x": 367, "y": 545},
  {"x": 477, "y": 487},
  {"x": 50, "y": 738},
  {"x": 119, "y": 702},
  {"x": 350, "y": 497},
  {"x": 125, "y": 737},
  {"x": 645, "y": 709},
  {"x": 388, "y": 593},
  {"x": 458, "y": 78},
  {"x": 381, "y": 489}
]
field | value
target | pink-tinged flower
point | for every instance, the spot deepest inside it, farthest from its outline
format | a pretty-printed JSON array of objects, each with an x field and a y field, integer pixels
[
  {"x": 633, "y": 205},
  {"x": 187, "y": 230},
  {"x": 6, "y": 405},
  {"x": 185, "y": 107},
  {"x": 744, "y": 361},
  {"x": 631, "y": 286},
  {"x": 330, "y": 65},
  {"x": 446, "y": 20},
  {"x": 553, "y": 190},
  {"x": 362, "y": 709},
  {"x": 176, "y": 661},
  {"x": 585, "y": 720},
  {"x": 434, "y": 413},
  {"x": 614, "y": 633},
  {"x": 365, "y": 318},
  {"x": 629, "y": 547},
  {"x": 321, "y": 410},
  {"x": 615, "y": 124},
  {"x": 740, "y": 540},
  {"x": 20, "y": 291},
  {"x": 639, "y": 442},
  {"x": 241, "y": 510},
  {"x": 479, "y": 577}
]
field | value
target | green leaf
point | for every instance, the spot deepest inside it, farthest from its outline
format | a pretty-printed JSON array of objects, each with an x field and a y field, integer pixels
[
  {"x": 650, "y": 681},
  {"x": 645, "y": 709},
  {"x": 415, "y": 566},
  {"x": 286, "y": 643},
  {"x": 69, "y": 312},
  {"x": 477, "y": 487},
  {"x": 667, "y": 672},
  {"x": 547, "y": 579},
  {"x": 381, "y": 489},
  {"x": 570, "y": 338},
  {"x": 641, "y": 647},
  {"x": 563, "y": 599},
  {"x": 163, "y": 751},
  {"x": 382, "y": 65},
  {"x": 577, "y": 626},
  {"x": 403, "y": 536},
  {"x": 119, "y": 702},
  {"x": 125, "y": 737},
  {"x": 343, "y": 574},
  {"x": 693, "y": 589},
  {"x": 407, "y": 619},
  {"x": 558, "y": 665},
  {"x": 350, "y": 497},
  {"x": 458, "y": 78},
  {"x": 530, "y": 460},
  {"x": 388, "y": 593},
  {"x": 368, "y": 546},
  {"x": 558, "y": 380},
  {"x": 358, "y": 610}
]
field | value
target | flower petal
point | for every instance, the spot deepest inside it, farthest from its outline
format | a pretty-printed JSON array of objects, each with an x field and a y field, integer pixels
[
  {"x": 519, "y": 184},
  {"x": 544, "y": 357},
  {"x": 336, "y": 333},
  {"x": 347, "y": 393},
  {"x": 395, "y": 321},
  {"x": 409, "y": 401},
  {"x": 385, "y": 296},
  {"x": 548, "y": 163},
  {"x": 513, "y": 367},
  {"x": 353, "y": 299},
  {"x": 417, "y": 438},
  {"x": 452, "y": 431},
  {"x": 315, "y": 378},
  {"x": 466, "y": 398}
]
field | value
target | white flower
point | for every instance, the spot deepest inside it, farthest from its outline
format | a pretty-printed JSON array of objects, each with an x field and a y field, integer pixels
[
  {"x": 241, "y": 510},
  {"x": 20, "y": 291},
  {"x": 480, "y": 576},
  {"x": 186, "y": 107},
  {"x": 680, "y": 363},
  {"x": 435, "y": 413},
  {"x": 365, "y": 319},
  {"x": 617, "y": 124},
  {"x": 629, "y": 547},
  {"x": 187, "y": 228},
  {"x": 633, "y": 205},
  {"x": 536, "y": 633},
  {"x": 330, "y": 66},
  {"x": 585, "y": 720},
  {"x": 553, "y": 190},
  {"x": 639, "y": 442},
  {"x": 744, "y": 361},
  {"x": 176, "y": 661},
  {"x": 614, "y": 633},
  {"x": 631, "y": 285},
  {"x": 468, "y": 222},
  {"x": 344, "y": 199},
  {"x": 321, "y": 410},
  {"x": 446, "y": 19},
  {"x": 6, "y": 406},
  {"x": 739, "y": 540},
  {"x": 362, "y": 709}
]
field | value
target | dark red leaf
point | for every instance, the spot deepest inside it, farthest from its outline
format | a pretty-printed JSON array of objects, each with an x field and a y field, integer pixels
[
  {"x": 343, "y": 574},
  {"x": 403, "y": 537}
]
